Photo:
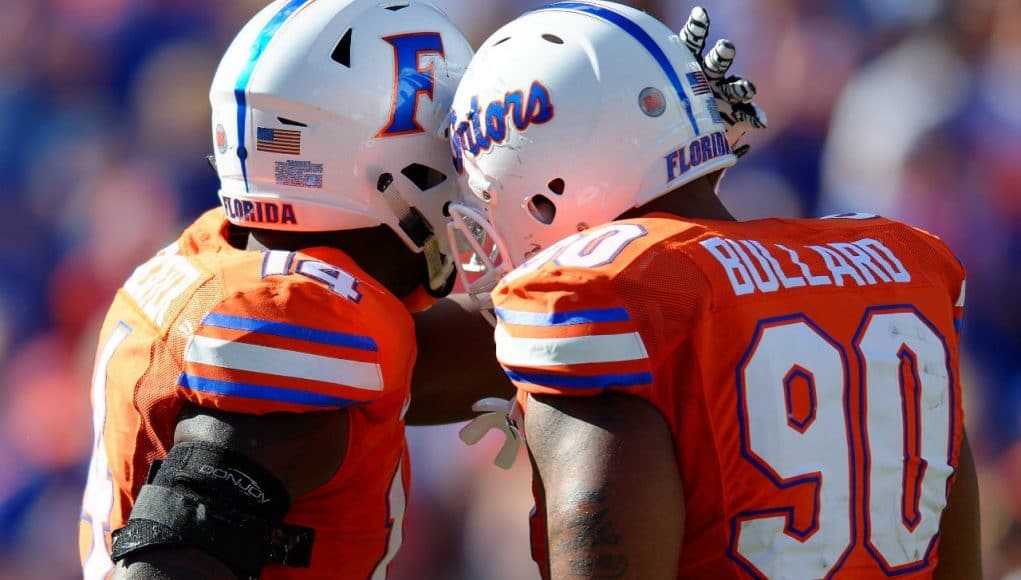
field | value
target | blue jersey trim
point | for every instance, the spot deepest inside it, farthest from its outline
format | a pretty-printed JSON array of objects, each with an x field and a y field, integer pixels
[
  {"x": 261, "y": 392},
  {"x": 582, "y": 382},
  {"x": 285, "y": 330},
  {"x": 241, "y": 86},
  {"x": 639, "y": 34},
  {"x": 562, "y": 318}
]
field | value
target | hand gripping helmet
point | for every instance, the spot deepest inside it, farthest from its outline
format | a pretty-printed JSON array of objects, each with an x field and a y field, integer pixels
[
  {"x": 567, "y": 117},
  {"x": 331, "y": 115}
]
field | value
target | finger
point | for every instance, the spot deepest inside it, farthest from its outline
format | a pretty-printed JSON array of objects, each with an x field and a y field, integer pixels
[
  {"x": 760, "y": 116},
  {"x": 508, "y": 451},
  {"x": 719, "y": 59},
  {"x": 742, "y": 119},
  {"x": 695, "y": 30},
  {"x": 752, "y": 114},
  {"x": 491, "y": 404},
  {"x": 473, "y": 432},
  {"x": 737, "y": 90}
]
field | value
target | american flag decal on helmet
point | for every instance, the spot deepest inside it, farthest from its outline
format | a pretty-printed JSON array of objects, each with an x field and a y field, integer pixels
[
  {"x": 699, "y": 84},
  {"x": 278, "y": 141}
]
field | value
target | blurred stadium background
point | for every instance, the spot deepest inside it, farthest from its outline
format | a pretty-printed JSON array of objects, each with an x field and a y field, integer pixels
[{"x": 905, "y": 108}]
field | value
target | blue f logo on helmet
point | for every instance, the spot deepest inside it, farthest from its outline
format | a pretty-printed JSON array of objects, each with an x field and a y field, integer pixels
[
  {"x": 411, "y": 79},
  {"x": 329, "y": 115}
]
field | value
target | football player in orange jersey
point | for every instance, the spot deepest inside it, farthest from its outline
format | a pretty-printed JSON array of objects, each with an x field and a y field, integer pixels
[
  {"x": 702, "y": 397},
  {"x": 252, "y": 380}
]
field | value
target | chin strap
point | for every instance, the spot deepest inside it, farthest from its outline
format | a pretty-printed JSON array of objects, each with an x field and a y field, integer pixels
[
  {"x": 414, "y": 224},
  {"x": 504, "y": 415},
  {"x": 441, "y": 272}
]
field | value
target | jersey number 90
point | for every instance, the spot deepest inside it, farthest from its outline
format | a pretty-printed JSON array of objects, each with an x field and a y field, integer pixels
[{"x": 807, "y": 426}]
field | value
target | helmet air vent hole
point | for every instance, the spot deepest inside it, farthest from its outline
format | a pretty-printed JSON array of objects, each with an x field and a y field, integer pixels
[
  {"x": 423, "y": 176},
  {"x": 556, "y": 186},
  {"x": 396, "y": 7},
  {"x": 292, "y": 122},
  {"x": 501, "y": 41},
  {"x": 542, "y": 209},
  {"x": 552, "y": 38},
  {"x": 342, "y": 52}
]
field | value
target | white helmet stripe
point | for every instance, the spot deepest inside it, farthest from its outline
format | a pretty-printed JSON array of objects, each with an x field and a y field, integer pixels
[
  {"x": 241, "y": 87},
  {"x": 642, "y": 37}
]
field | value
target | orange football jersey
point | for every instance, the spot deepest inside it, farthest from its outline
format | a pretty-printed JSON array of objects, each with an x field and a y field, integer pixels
[
  {"x": 808, "y": 370},
  {"x": 256, "y": 332}
]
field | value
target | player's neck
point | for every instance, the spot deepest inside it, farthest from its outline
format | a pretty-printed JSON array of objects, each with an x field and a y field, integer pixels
[
  {"x": 695, "y": 200},
  {"x": 262, "y": 240},
  {"x": 377, "y": 251}
]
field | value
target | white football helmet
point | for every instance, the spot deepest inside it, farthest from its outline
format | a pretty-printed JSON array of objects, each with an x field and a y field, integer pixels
[
  {"x": 331, "y": 115},
  {"x": 567, "y": 117}
]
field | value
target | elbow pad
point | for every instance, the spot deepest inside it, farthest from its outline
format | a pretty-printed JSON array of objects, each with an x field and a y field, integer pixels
[{"x": 209, "y": 497}]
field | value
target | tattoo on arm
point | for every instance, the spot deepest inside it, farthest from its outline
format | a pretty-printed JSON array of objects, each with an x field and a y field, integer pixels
[
  {"x": 592, "y": 539},
  {"x": 611, "y": 491}
]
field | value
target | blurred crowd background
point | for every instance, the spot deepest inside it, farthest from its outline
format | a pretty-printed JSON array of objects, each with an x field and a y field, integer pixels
[{"x": 905, "y": 108}]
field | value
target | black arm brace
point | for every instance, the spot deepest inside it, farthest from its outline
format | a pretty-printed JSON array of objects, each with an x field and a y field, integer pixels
[{"x": 219, "y": 501}]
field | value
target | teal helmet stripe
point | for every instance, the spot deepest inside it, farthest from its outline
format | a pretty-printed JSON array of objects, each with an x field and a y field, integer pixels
[{"x": 241, "y": 86}]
